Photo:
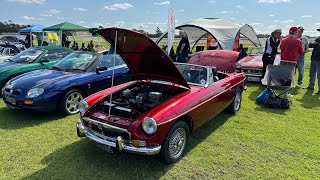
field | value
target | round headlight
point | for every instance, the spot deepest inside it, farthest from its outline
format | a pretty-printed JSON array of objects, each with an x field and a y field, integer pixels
[
  {"x": 83, "y": 106},
  {"x": 35, "y": 92},
  {"x": 238, "y": 66},
  {"x": 149, "y": 126}
]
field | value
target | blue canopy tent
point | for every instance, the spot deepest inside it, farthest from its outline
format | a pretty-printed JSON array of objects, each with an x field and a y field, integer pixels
[{"x": 31, "y": 29}]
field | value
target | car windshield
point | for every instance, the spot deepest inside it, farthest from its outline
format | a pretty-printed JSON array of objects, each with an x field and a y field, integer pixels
[
  {"x": 193, "y": 74},
  {"x": 27, "y": 56},
  {"x": 76, "y": 61}
]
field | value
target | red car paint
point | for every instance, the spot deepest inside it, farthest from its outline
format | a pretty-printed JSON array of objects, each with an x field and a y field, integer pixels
[
  {"x": 224, "y": 60},
  {"x": 148, "y": 62}
]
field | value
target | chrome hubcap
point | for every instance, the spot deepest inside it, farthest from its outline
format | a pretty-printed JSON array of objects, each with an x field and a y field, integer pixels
[
  {"x": 237, "y": 101},
  {"x": 177, "y": 143},
  {"x": 72, "y": 103}
]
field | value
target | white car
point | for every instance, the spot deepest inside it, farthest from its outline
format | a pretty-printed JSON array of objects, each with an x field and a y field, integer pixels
[{"x": 6, "y": 53}]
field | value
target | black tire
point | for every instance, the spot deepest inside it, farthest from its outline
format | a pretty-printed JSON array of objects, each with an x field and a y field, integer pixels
[
  {"x": 165, "y": 155},
  {"x": 235, "y": 106},
  {"x": 63, "y": 106}
]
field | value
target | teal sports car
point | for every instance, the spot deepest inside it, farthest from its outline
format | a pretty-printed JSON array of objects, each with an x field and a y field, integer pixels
[{"x": 29, "y": 60}]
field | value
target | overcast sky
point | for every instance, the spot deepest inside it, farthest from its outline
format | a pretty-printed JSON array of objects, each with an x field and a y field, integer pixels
[{"x": 263, "y": 15}]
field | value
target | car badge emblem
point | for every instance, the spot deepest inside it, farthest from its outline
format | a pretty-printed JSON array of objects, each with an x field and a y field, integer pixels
[{"x": 100, "y": 126}]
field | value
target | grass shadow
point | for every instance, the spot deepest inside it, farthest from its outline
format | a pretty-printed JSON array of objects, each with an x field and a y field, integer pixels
[
  {"x": 17, "y": 119},
  {"x": 309, "y": 101},
  {"x": 84, "y": 160}
]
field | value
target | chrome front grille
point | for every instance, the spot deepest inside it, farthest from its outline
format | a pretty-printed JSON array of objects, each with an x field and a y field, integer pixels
[
  {"x": 105, "y": 131},
  {"x": 252, "y": 71}
]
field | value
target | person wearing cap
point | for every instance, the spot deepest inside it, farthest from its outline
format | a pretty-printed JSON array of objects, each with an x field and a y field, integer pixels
[
  {"x": 291, "y": 48},
  {"x": 315, "y": 64},
  {"x": 271, "y": 49},
  {"x": 300, "y": 63}
]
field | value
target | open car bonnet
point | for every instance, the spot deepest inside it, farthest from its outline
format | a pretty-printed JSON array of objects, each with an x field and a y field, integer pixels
[{"x": 144, "y": 57}]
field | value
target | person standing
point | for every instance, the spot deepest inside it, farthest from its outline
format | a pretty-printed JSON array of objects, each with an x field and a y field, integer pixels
[
  {"x": 315, "y": 64},
  {"x": 183, "y": 47},
  {"x": 300, "y": 63},
  {"x": 291, "y": 48},
  {"x": 39, "y": 38},
  {"x": 271, "y": 49}
]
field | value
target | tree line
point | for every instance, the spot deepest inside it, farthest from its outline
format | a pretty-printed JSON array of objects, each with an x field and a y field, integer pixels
[{"x": 9, "y": 26}]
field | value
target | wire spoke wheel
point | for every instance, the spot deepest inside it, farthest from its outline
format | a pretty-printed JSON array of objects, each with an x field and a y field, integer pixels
[
  {"x": 177, "y": 143},
  {"x": 237, "y": 101}
]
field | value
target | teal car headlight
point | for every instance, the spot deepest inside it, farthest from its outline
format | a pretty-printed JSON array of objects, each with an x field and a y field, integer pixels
[
  {"x": 83, "y": 106},
  {"x": 149, "y": 126},
  {"x": 35, "y": 92}
]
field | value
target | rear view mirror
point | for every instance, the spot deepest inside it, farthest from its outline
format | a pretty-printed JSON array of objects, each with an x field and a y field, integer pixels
[{"x": 101, "y": 69}]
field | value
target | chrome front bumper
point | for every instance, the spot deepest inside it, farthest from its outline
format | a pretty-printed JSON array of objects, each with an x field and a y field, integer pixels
[{"x": 118, "y": 145}]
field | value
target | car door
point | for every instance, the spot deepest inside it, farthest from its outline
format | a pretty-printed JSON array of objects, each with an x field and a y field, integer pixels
[{"x": 103, "y": 79}]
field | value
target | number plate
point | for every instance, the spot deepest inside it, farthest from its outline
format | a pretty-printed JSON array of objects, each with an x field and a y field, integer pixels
[
  {"x": 256, "y": 79},
  {"x": 11, "y": 100}
]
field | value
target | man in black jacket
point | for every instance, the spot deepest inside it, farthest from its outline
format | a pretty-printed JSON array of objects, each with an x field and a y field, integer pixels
[
  {"x": 271, "y": 50},
  {"x": 315, "y": 64}
]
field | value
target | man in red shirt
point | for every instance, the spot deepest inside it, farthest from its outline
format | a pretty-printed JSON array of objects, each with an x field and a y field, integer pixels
[{"x": 291, "y": 47}]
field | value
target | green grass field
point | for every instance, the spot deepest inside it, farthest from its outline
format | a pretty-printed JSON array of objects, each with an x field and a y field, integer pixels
[{"x": 257, "y": 143}]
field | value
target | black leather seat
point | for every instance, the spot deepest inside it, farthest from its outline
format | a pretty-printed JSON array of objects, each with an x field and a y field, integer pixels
[{"x": 215, "y": 74}]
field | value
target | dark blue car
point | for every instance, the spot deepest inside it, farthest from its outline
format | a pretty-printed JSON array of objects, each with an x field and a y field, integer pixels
[{"x": 63, "y": 86}]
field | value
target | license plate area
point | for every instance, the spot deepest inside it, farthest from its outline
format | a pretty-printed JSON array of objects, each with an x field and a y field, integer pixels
[
  {"x": 10, "y": 100},
  {"x": 255, "y": 79}
]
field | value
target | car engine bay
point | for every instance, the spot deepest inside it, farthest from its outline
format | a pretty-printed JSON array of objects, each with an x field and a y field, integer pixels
[{"x": 138, "y": 98}]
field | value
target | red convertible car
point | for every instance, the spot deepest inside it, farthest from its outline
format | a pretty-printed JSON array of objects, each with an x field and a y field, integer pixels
[{"x": 165, "y": 102}]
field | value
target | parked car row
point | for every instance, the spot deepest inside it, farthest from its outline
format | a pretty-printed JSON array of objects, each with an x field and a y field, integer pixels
[{"x": 136, "y": 100}]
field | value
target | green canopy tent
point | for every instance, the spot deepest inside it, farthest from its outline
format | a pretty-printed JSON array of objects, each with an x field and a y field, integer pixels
[{"x": 65, "y": 27}]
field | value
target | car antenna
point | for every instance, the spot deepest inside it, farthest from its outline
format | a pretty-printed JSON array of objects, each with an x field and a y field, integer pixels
[
  {"x": 199, "y": 82},
  {"x": 112, "y": 78}
]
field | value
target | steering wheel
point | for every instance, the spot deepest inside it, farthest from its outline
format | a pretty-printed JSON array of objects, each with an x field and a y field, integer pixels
[{"x": 199, "y": 78}]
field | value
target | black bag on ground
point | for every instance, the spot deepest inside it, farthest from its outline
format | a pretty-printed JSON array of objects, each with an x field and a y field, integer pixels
[{"x": 277, "y": 102}]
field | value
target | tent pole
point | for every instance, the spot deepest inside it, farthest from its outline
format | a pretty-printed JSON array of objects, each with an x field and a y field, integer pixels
[
  {"x": 42, "y": 38},
  {"x": 30, "y": 39},
  {"x": 60, "y": 37}
]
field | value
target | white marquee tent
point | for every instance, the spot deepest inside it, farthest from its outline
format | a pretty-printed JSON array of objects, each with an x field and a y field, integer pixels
[{"x": 224, "y": 31}]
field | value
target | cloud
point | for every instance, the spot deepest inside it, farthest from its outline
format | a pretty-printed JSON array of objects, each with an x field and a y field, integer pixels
[
  {"x": 60, "y": 17},
  {"x": 31, "y": 18},
  {"x": 161, "y": 3},
  {"x": 257, "y": 24},
  {"x": 271, "y": 26},
  {"x": 46, "y": 15},
  {"x": 80, "y": 9},
  {"x": 82, "y": 22},
  {"x": 276, "y": 20},
  {"x": 274, "y": 1},
  {"x": 28, "y": 1},
  {"x": 288, "y": 21},
  {"x": 212, "y": 2},
  {"x": 228, "y": 12},
  {"x": 306, "y": 16},
  {"x": 239, "y": 7},
  {"x": 316, "y": 24},
  {"x": 181, "y": 10},
  {"x": 52, "y": 11},
  {"x": 115, "y": 7},
  {"x": 271, "y": 15}
]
